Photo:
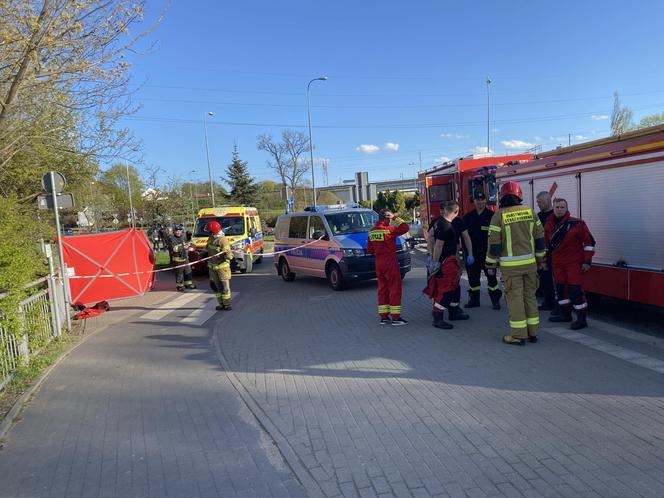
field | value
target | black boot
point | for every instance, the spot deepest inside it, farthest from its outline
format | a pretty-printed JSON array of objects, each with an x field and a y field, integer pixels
[
  {"x": 473, "y": 299},
  {"x": 457, "y": 314},
  {"x": 564, "y": 316},
  {"x": 439, "y": 321},
  {"x": 547, "y": 305},
  {"x": 580, "y": 322},
  {"x": 495, "y": 298}
]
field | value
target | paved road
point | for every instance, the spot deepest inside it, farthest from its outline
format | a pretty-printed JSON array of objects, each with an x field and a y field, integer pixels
[{"x": 315, "y": 398}]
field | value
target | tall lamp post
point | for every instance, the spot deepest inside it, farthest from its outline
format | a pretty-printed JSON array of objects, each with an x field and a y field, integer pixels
[
  {"x": 488, "y": 82},
  {"x": 191, "y": 195},
  {"x": 131, "y": 204},
  {"x": 311, "y": 143},
  {"x": 207, "y": 152}
]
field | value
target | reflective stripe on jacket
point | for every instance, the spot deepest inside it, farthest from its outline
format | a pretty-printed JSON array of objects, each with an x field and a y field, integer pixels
[{"x": 516, "y": 238}]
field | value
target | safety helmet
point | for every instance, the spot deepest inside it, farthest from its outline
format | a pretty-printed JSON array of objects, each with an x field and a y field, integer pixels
[
  {"x": 178, "y": 227},
  {"x": 510, "y": 188},
  {"x": 213, "y": 227}
]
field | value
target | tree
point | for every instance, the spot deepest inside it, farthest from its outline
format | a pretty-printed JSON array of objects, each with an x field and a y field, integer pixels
[
  {"x": 285, "y": 156},
  {"x": 381, "y": 201},
  {"x": 413, "y": 202},
  {"x": 651, "y": 120},
  {"x": 244, "y": 191},
  {"x": 396, "y": 203},
  {"x": 621, "y": 117},
  {"x": 113, "y": 183}
]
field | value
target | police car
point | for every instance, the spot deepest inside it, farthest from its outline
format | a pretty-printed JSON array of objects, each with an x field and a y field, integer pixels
[{"x": 329, "y": 242}]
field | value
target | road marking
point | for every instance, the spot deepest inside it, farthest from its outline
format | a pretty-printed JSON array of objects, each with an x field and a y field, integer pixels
[
  {"x": 202, "y": 314},
  {"x": 642, "y": 360},
  {"x": 170, "y": 306}
]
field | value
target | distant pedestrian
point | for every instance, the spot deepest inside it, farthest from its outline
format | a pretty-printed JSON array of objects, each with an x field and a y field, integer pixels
[
  {"x": 219, "y": 264},
  {"x": 383, "y": 244},
  {"x": 477, "y": 222},
  {"x": 546, "y": 289},
  {"x": 516, "y": 243},
  {"x": 572, "y": 247},
  {"x": 178, "y": 247}
]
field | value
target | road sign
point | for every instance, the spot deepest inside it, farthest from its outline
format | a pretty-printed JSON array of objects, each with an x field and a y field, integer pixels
[
  {"x": 59, "y": 181},
  {"x": 65, "y": 200}
]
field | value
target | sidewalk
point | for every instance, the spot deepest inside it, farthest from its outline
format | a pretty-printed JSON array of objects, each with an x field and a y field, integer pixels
[{"x": 141, "y": 409}]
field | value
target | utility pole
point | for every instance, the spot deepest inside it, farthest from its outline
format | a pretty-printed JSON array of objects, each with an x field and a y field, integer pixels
[
  {"x": 488, "y": 121},
  {"x": 420, "y": 152},
  {"x": 569, "y": 139},
  {"x": 325, "y": 171}
]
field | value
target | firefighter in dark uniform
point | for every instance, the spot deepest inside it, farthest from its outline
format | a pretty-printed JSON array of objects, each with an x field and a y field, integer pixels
[
  {"x": 177, "y": 248},
  {"x": 516, "y": 243},
  {"x": 219, "y": 265},
  {"x": 546, "y": 287},
  {"x": 477, "y": 223}
]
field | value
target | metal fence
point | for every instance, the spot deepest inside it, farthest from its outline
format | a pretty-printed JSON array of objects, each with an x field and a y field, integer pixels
[{"x": 41, "y": 318}]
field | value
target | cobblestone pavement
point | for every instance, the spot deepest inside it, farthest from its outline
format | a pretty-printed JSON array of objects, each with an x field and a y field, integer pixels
[
  {"x": 142, "y": 409},
  {"x": 370, "y": 410}
]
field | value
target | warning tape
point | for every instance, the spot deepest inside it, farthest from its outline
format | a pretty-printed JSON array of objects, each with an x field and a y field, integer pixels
[{"x": 114, "y": 275}]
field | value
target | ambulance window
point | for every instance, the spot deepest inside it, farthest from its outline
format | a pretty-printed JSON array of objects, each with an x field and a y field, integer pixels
[
  {"x": 298, "y": 227},
  {"x": 257, "y": 220},
  {"x": 315, "y": 225}
]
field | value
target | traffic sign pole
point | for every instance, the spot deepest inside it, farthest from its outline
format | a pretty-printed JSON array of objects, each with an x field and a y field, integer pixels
[{"x": 63, "y": 268}]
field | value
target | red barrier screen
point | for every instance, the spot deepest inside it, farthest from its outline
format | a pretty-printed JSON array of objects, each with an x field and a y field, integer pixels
[{"x": 108, "y": 266}]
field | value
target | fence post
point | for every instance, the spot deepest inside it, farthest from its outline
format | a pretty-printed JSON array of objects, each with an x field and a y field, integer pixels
[{"x": 52, "y": 293}]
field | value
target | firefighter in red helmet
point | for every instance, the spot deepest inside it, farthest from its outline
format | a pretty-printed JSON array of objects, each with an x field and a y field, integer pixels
[
  {"x": 219, "y": 265},
  {"x": 571, "y": 246},
  {"x": 382, "y": 242},
  {"x": 516, "y": 243}
]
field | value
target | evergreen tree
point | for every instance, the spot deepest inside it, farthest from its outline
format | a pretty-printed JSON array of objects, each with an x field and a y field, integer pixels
[
  {"x": 396, "y": 203},
  {"x": 243, "y": 190}
]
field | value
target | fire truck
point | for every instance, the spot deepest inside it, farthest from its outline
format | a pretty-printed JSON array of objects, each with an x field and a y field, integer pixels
[
  {"x": 615, "y": 185},
  {"x": 459, "y": 180}
]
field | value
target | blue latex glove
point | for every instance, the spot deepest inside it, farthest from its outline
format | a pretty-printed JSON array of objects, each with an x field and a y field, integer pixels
[
  {"x": 470, "y": 260},
  {"x": 435, "y": 267}
]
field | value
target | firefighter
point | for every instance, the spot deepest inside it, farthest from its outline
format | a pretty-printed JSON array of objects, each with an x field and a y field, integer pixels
[
  {"x": 546, "y": 288},
  {"x": 572, "y": 247},
  {"x": 383, "y": 244},
  {"x": 516, "y": 243},
  {"x": 478, "y": 222},
  {"x": 444, "y": 274},
  {"x": 177, "y": 247},
  {"x": 219, "y": 265}
]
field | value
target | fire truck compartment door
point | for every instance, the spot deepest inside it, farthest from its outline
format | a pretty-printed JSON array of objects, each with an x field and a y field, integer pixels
[
  {"x": 620, "y": 207},
  {"x": 565, "y": 186}
]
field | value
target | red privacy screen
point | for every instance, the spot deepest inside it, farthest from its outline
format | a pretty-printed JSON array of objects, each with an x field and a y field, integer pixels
[{"x": 108, "y": 266}]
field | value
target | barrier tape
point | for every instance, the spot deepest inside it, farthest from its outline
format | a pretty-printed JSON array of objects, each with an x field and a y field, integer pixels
[{"x": 114, "y": 275}]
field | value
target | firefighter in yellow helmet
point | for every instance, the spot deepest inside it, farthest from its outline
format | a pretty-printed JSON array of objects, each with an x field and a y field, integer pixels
[
  {"x": 516, "y": 243},
  {"x": 219, "y": 265}
]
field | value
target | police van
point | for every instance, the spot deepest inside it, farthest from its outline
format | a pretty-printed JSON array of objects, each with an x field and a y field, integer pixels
[{"x": 329, "y": 242}]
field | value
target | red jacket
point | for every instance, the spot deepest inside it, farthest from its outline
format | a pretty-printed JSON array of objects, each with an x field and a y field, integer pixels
[
  {"x": 569, "y": 240},
  {"x": 383, "y": 239}
]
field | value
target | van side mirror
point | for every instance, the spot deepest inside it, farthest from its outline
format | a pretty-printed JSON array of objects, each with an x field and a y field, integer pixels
[{"x": 318, "y": 234}]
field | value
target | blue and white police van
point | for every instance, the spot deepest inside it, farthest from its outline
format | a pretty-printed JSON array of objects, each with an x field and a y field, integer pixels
[{"x": 329, "y": 242}]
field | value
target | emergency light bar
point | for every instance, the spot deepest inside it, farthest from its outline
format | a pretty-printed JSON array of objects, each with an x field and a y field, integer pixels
[{"x": 332, "y": 207}]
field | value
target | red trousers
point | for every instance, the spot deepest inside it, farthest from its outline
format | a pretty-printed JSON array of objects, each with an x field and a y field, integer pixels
[
  {"x": 567, "y": 273},
  {"x": 389, "y": 287},
  {"x": 444, "y": 282}
]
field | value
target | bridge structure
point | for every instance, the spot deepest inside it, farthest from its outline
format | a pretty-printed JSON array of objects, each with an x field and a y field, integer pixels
[{"x": 361, "y": 189}]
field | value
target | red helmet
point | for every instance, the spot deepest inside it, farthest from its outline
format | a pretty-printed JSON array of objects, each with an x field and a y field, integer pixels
[
  {"x": 213, "y": 227},
  {"x": 510, "y": 188}
]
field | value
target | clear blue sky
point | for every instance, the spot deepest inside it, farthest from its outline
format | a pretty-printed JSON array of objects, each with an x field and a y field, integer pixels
[{"x": 410, "y": 74}]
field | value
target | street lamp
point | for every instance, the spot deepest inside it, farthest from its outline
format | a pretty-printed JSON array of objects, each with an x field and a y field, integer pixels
[
  {"x": 131, "y": 204},
  {"x": 207, "y": 152},
  {"x": 191, "y": 195},
  {"x": 488, "y": 82},
  {"x": 311, "y": 143}
]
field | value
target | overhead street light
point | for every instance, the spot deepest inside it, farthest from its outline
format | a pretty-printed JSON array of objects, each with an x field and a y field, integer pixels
[
  {"x": 207, "y": 152},
  {"x": 311, "y": 142}
]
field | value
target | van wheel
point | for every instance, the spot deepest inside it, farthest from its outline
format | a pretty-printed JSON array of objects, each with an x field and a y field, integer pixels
[
  {"x": 335, "y": 277},
  {"x": 284, "y": 271},
  {"x": 259, "y": 260},
  {"x": 250, "y": 264}
]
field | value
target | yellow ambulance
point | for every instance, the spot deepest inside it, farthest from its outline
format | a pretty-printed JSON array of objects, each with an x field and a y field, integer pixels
[{"x": 242, "y": 228}]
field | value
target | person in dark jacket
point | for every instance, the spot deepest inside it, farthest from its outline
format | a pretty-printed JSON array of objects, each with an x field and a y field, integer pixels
[
  {"x": 177, "y": 248},
  {"x": 546, "y": 288}
]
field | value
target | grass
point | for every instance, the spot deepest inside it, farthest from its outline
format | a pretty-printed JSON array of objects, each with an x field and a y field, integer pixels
[{"x": 161, "y": 259}]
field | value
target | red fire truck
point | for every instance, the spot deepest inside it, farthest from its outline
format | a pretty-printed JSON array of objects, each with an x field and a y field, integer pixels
[
  {"x": 459, "y": 179},
  {"x": 615, "y": 184}
]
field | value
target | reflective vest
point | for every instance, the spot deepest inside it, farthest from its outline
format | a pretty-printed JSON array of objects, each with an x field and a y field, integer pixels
[
  {"x": 220, "y": 250},
  {"x": 516, "y": 238}
]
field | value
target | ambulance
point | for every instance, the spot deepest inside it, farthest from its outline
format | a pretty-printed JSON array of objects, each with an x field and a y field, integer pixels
[{"x": 242, "y": 228}]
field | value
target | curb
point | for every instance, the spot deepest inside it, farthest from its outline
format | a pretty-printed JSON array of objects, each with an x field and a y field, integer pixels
[
  {"x": 8, "y": 422},
  {"x": 287, "y": 452}
]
